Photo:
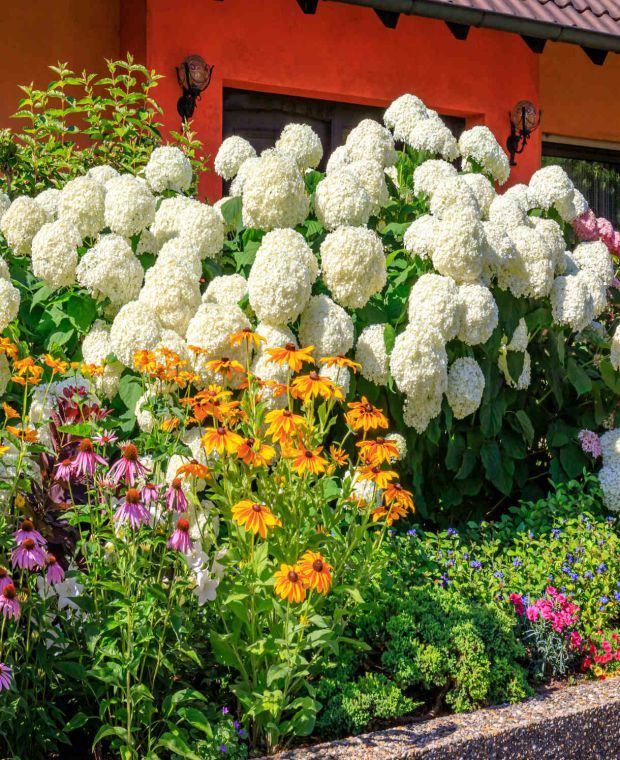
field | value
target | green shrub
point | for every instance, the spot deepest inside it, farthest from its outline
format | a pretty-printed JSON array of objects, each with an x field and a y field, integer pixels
[{"x": 466, "y": 652}]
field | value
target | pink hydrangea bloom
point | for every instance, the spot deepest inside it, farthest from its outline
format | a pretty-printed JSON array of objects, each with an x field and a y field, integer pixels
[
  {"x": 590, "y": 443},
  {"x": 585, "y": 226},
  {"x": 605, "y": 231}
]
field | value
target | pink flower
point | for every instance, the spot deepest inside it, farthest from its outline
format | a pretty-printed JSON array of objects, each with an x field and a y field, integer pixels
[
  {"x": 106, "y": 436},
  {"x": 128, "y": 467},
  {"x": 55, "y": 573},
  {"x": 532, "y": 614},
  {"x": 5, "y": 578},
  {"x": 28, "y": 555},
  {"x": 605, "y": 231},
  {"x": 9, "y": 604},
  {"x": 551, "y": 591},
  {"x": 585, "y": 226},
  {"x": 615, "y": 243},
  {"x": 575, "y": 639},
  {"x": 86, "y": 460},
  {"x": 27, "y": 531},
  {"x": 64, "y": 469},
  {"x": 179, "y": 540},
  {"x": 150, "y": 493},
  {"x": 175, "y": 497},
  {"x": 5, "y": 676},
  {"x": 590, "y": 443},
  {"x": 132, "y": 510}
]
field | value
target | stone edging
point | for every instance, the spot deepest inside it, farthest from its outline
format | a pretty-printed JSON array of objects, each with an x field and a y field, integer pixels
[{"x": 572, "y": 723}]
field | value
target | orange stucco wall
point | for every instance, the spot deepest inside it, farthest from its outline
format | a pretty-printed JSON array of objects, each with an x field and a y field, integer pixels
[
  {"x": 578, "y": 98},
  {"x": 37, "y": 34},
  {"x": 341, "y": 53}
]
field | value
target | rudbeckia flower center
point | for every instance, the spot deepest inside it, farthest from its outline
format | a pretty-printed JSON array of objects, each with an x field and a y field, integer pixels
[
  {"x": 293, "y": 577},
  {"x": 317, "y": 565},
  {"x": 256, "y": 507}
]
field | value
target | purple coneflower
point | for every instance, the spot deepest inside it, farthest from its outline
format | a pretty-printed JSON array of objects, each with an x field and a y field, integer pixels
[
  {"x": 128, "y": 467},
  {"x": 64, "y": 469},
  {"x": 179, "y": 540},
  {"x": 150, "y": 493},
  {"x": 106, "y": 436},
  {"x": 175, "y": 497},
  {"x": 6, "y": 676},
  {"x": 28, "y": 555},
  {"x": 9, "y": 603},
  {"x": 27, "y": 530},
  {"x": 132, "y": 510},
  {"x": 55, "y": 573},
  {"x": 5, "y": 578},
  {"x": 86, "y": 460}
]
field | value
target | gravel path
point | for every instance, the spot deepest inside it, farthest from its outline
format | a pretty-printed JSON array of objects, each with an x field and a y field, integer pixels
[{"x": 572, "y": 723}]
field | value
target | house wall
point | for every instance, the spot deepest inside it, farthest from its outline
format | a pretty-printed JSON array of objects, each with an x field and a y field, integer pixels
[{"x": 340, "y": 53}]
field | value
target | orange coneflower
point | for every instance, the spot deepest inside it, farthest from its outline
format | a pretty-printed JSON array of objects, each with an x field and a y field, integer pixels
[
  {"x": 341, "y": 361},
  {"x": 378, "y": 450},
  {"x": 315, "y": 572},
  {"x": 145, "y": 361},
  {"x": 194, "y": 469},
  {"x": 255, "y": 453},
  {"x": 288, "y": 584},
  {"x": 30, "y": 435},
  {"x": 9, "y": 411},
  {"x": 8, "y": 347},
  {"x": 307, "y": 387},
  {"x": 247, "y": 334},
  {"x": 220, "y": 439},
  {"x": 339, "y": 455},
  {"x": 254, "y": 517},
  {"x": 391, "y": 514},
  {"x": 308, "y": 460},
  {"x": 56, "y": 365},
  {"x": 170, "y": 424},
  {"x": 291, "y": 355},
  {"x": 225, "y": 367},
  {"x": 378, "y": 476},
  {"x": 396, "y": 494},
  {"x": 364, "y": 416},
  {"x": 27, "y": 371},
  {"x": 277, "y": 389},
  {"x": 94, "y": 370},
  {"x": 283, "y": 424}
]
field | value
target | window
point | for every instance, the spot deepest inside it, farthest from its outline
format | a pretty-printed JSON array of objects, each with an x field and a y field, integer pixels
[
  {"x": 595, "y": 172},
  {"x": 260, "y": 117}
]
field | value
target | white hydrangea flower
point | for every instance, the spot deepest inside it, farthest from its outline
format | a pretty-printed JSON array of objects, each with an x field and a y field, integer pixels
[
  {"x": 5, "y": 202},
  {"x": 520, "y": 337},
  {"x": 168, "y": 169},
  {"x": 96, "y": 347},
  {"x": 231, "y": 154},
  {"x": 596, "y": 290},
  {"x": 419, "y": 410},
  {"x": 262, "y": 367},
  {"x": 102, "y": 173},
  {"x": 173, "y": 293},
  {"x": 341, "y": 200},
  {"x": 534, "y": 267},
  {"x": 401, "y": 445},
  {"x": 302, "y": 143},
  {"x": 454, "y": 193},
  {"x": 551, "y": 232},
  {"x": 429, "y": 174},
  {"x": 236, "y": 186},
  {"x": 172, "y": 341},
  {"x": 434, "y": 303},
  {"x": 167, "y": 218},
  {"x": 134, "y": 328},
  {"x": 372, "y": 354},
  {"x": 9, "y": 303},
  {"x": 341, "y": 376},
  {"x": 54, "y": 253},
  {"x": 274, "y": 194},
  {"x": 403, "y": 114},
  {"x": 499, "y": 253},
  {"x": 610, "y": 446},
  {"x": 227, "y": 289},
  {"x": 129, "y": 205},
  {"x": 21, "y": 222},
  {"x": 210, "y": 329},
  {"x": 110, "y": 270},
  {"x": 458, "y": 248},
  {"x": 419, "y": 363},
  {"x": 483, "y": 191},
  {"x": 479, "y": 313},
  {"x": 550, "y": 185},
  {"x": 371, "y": 176},
  {"x": 508, "y": 212},
  {"x": 144, "y": 417},
  {"x": 327, "y": 327},
  {"x": 465, "y": 387},
  {"x": 479, "y": 144},
  {"x": 609, "y": 480},
  {"x": 419, "y": 236},
  {"x": 571, "y": 302},
  {"x": 201, "y": 226},
  {"x": 594, "y": 256},
  {"x": 48, "y": 200},
  {"x": 525, "y": 377},
  {"x": 280, "y": 282},
  {"x": 432, "y": 136},
  {"x": 5, "y": 373},
  {"x": 82, "y": 202},
  {"x": 614, "y": 355},
  {"x": 5, "y": 274},
  {"x": 338, "y": 159},
  {"x": 371, "y": 140},
  {"x": 353, "y": 265},
  {"x": 569, "y": 208},
  {"x": 180, "y": 253}
]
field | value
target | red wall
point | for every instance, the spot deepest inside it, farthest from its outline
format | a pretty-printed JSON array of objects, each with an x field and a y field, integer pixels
[{"x": 341, "y": 53}]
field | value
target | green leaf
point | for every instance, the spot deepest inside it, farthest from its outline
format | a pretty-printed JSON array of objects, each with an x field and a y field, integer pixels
[
  {"x": 196, "y": 719},
  {"x": 130, "y": 390},
  {"x": 82, "y": 311},
  {"x": 526, "y": 426},
  {"x": 77, "y": 721},
  {"x": 514, "y": 361},
  {"x": 83, "y": 429},
  {"x": 173, "y": 741},
  {"x": 611, "y": 378},
  {"x": 231, "y": 211},
  {"x": 573, "y": 459},
  {"x": 579, "y": 378},
  {"x": 389, "y": 337}
]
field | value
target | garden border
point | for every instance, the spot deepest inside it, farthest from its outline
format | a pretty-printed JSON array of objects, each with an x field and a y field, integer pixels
[{"x": 576, "y": 722}]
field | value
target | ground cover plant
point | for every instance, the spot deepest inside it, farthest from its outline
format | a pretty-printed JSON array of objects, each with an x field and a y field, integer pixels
[{"x": 251, "y": 449}]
